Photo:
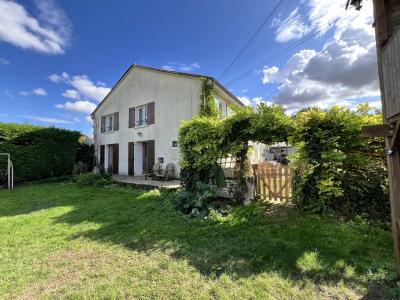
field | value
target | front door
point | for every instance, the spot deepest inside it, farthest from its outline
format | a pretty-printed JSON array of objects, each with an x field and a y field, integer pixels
[
  {"x": 102, "y": 155},
  {"x": 148, "y": 151},
  {"x": 113, "y": 158},
  {"x": 131, "y": 158}
]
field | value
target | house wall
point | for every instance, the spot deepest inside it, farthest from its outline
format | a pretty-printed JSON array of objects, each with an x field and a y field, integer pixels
[
  {"x": 176, "y": 98},
  {"x": 225, "y": 101},
  {"x": 258, "y": 152}
]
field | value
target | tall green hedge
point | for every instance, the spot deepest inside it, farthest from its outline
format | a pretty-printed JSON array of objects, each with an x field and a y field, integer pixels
[
  {"x": 337, "y": 171},
  {"x": 38, "y": 152}
]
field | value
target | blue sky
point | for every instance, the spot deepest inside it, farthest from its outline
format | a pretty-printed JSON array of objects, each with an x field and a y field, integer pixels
[{"x": 59, "y": 58}]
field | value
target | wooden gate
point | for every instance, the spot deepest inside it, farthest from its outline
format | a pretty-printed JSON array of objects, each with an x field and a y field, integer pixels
[{"x": 273, "y": 181}]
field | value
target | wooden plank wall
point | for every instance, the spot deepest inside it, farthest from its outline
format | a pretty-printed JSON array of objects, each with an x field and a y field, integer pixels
[
  {"x": 274, "y": 182},
  {"x": 391, "y": 75}
]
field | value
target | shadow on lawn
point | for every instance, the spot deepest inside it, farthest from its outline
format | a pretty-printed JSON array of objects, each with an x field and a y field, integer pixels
[{"x": 244, "y": 244}]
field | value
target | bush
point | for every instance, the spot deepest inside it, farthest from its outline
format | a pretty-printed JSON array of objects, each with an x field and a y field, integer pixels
[
  {"x": 91, "y": 179},
  {"x": 336, "y": 170},
  {"x": 196, "y": 204},
  {"x": 85, "y": 153},
  {"x": 38, "y": 152},
  {"x": 80, "y": 168}
]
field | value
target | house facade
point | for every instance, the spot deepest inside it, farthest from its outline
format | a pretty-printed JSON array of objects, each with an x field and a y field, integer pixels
[{"x": 137, "y": 123}]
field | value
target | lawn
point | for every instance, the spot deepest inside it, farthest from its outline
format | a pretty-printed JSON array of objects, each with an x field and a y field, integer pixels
[{"x": 62, "y": 241}]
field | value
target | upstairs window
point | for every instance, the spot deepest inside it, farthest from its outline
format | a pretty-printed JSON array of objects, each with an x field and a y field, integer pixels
[
  {"x": 141, "y": 116},
  {"x": 109, "y": 123}
]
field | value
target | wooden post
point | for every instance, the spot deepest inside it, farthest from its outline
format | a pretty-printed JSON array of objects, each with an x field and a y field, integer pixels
[
  {"x": 393, "y": 160},
  {"x": 394, "y": 186},
  {"x": 12, "y": 176},
  {"x": 8, "y": 172}
]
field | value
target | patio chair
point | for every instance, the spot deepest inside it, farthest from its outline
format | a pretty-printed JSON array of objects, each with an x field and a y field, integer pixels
[
  {"x": 154, "y": 172},
  {"x": 169, "y": 171}
]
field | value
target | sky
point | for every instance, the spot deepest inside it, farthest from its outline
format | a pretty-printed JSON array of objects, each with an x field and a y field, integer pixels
[{"x": 58, "y": 59}]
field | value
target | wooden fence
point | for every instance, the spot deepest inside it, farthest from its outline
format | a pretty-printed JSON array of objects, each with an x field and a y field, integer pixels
[{"x": 273, "y": 181}]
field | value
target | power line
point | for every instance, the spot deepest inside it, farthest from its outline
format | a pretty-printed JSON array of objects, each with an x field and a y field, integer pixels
[
  {"x": 271, "y": 59},
  {"x": 252, "y": 38},
  {"x": 279, "y": 54}
]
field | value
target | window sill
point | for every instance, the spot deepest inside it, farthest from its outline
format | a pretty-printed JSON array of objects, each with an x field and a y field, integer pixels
[{"x": 140, "y": 126}]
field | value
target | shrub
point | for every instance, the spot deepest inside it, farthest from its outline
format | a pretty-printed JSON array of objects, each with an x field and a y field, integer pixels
[
  {"x": 91, "y": 179},
  {"x": 85, "y": 153},
  {"x": 39, "y": 152},
  {"x": 105, "y": 173},
  {"x": 80, "y": 168},
  {"x": 337, "y": 170},
  {"x": 196, "y": 204}
]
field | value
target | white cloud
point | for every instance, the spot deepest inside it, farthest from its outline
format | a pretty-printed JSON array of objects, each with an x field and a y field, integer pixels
[
  {"x": 253, "y": 101},
  {"x": 39, "y": 92},
  {"x": 174, "y": 66},
  {"x": 84, "y": 91},
  {"x": 269, "y": 73},
  {"x": 35, "y": 91},
  {"x": 55, "y": 78},
  {"x": 79, "y": 106},
  {"x": 342, "y": 72},
  {"x": 89, "y": 119},
  {"x": 245, "y": 100},
  {"x": 292, "y": 27},
  {"x": 71, "y": 94},
  {"x": 47, "y": 120},
  {"x": 87, "y": 88},
  {"x": 84, "y": 87},
  {"x": 322, "y": 15},
  {"x": 4, "y": 61},
  {"x": 49, "y": 32}
]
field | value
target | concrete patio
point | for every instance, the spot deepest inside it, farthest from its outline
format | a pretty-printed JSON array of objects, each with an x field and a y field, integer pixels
[{"x": 149, "y": 183}]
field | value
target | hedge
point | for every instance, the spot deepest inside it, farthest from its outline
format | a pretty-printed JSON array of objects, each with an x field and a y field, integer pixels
[
  {"x": 337, "y": 171},
  {"x": 37, "y": 152},
  {"x": 85, "y": 153}
]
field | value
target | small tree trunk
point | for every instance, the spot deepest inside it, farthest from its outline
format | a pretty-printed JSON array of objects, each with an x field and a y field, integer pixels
[{"x": 240, "y": 174}]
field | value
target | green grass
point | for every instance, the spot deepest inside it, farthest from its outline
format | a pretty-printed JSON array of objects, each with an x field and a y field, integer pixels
[{"x": 62, "y": 241}]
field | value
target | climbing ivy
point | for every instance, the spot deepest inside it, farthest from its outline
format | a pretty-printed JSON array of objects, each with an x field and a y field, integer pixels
[
  {"x": 208, "y": 107},
  {"x": 205, "y": 139},
  {"x": 335, "y": 169}
]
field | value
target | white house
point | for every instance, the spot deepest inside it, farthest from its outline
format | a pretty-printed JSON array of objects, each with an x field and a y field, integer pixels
[
  {"x": 277, "y": 151},
  {"x": 137, "y": 123}
]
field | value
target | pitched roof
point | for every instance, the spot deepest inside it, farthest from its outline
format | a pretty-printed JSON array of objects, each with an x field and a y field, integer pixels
[{"x": 136, "y": 66}]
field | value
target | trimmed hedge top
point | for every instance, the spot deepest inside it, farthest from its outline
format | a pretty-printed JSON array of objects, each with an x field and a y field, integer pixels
[{"x": 37, "y": 152}]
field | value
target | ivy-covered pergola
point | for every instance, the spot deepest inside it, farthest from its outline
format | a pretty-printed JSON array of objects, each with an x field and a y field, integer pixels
[{"x": 207, "y": 138}]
